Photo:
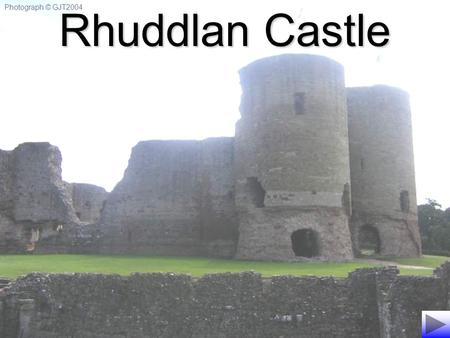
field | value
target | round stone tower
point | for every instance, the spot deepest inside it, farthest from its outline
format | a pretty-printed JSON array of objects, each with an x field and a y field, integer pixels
[
  {"x": 384, "y": 219},
  {"x": 292, "y": 160}
]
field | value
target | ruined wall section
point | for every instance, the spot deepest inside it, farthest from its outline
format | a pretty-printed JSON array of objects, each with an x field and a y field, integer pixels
[
  {"x": 217, "y": 212},
  {"x": 10, "y": 239},
  {"x": 6, "y": 183},
  {"x": 176, "y": 198},
  {"x": 41, "y": 196},
  {"x": 400, "y": 299},
  {"x": 370, "y": 303},
  {"x": 382, "y": 169},
  {"x": 35, "y": 203},
  {"x": 291, "y": 157},
  {"x": 88, "y": 201}
]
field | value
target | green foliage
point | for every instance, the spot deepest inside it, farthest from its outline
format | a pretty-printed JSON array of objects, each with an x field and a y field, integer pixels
[{"x": 434, "y": 224}]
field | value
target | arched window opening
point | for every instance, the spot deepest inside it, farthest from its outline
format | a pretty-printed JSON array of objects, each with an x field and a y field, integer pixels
[
  {"x": 305, "y": 243},
  {"x": 369, "y": 241}
]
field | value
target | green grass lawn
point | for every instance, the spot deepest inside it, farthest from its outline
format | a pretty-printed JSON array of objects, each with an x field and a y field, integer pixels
[
  {"x": 12, "y": 266},
  {"x": 425, "y": 260}
]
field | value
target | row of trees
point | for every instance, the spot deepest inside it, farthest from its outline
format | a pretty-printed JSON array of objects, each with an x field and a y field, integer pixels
[{"x": 434, "y": 224}]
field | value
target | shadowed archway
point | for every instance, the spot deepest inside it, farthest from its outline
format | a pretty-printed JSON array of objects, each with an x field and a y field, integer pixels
[
  {"x": 305, "y": 243},
  {"x": 369, "y": 240}
]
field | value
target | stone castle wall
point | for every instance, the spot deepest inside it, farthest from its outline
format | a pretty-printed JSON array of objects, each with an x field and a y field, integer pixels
[
  {"x": 34, "y": 200},
  {"x": 88, "y": 201},
  {"x": 382, "y": 169},
  {"x": 176, "y": 197},
  {"x": 40, "y": 195},
  {"x": 38, "y": 210},
  {"x": 9, "y": 232},
  {"x": 292, "y": 144},
  {"x": 369, "y": 303},
  {"x": 308, "y": 155}
]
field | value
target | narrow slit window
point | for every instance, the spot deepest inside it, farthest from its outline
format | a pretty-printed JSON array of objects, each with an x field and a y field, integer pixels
[
  {"x": 404, "y": 201},
  {"x": 299, "y": 103}
]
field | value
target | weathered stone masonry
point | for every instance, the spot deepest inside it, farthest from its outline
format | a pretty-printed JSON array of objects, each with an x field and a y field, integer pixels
[
  {"x": 315, "y": 171},
  {"x": 382, "y": 168},
  {"x": 369, "y": 303},
  {"x": 176, "y": 197},
  {"x": 292, "y": 139},
  {"x": 38, "y": 210}
]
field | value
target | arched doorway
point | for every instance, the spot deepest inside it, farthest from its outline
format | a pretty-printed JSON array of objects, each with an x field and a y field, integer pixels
[
  {"x": 305, "y": 243},
  {"x": 369, "y": 240}
]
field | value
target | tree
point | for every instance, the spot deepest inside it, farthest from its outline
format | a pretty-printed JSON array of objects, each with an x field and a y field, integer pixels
[{"x": 434, "y": 225}]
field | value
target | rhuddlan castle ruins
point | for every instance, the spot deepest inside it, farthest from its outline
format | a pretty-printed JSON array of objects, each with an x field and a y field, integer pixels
[{"x": 315, "y": 170}]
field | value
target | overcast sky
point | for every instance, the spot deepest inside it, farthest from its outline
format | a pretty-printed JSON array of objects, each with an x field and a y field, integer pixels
[{"x": 95, "y": 104}]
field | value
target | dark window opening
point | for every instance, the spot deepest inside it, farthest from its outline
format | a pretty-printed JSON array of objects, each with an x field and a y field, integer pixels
[
  {"x": 305, "y": 243},
  {"x": 369, "y": 241},
  {"x": 404, "y": 201},
  {"x": 362, "y": 164},
  {"x": 103, "y": 206},
  {"x": 257, "y": 192},
  {"x": 299, "y": 103},
  {"x": 346, "y": 202}
]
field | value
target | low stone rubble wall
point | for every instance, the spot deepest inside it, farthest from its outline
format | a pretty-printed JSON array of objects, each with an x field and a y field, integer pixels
[{"x": 373, "y": 302}]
